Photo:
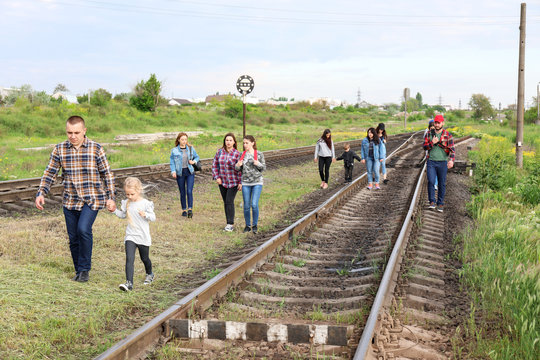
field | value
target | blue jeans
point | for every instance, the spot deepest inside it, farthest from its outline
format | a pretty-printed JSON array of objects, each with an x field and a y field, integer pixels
[
  {"x": 436, "y": 172},
  {"x": 383, "y": 167},
  {"x": 79, "y": 229},
  {"x": 372, "y": 169},
  {"x": 185, "y": 184},
  {"x": 251, "y": 196}
]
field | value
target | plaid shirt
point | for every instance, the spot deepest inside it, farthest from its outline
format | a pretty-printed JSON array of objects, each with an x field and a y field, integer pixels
[
  {"x": 223, "y": 168},
  {"x": 83, "y": 170},
  {"x": 446, "y": 143}
]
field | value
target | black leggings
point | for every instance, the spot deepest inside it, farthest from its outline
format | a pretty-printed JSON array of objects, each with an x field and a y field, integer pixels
[
  {"x": 130, "y": 258},
  {"x": 228, "y": 195},
  {"x": 348, "y": 172},
  {"x": 324, "y": 167}
]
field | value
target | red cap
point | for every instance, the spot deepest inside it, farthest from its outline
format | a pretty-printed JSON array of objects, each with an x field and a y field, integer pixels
[{"x": 439, "y": 118}]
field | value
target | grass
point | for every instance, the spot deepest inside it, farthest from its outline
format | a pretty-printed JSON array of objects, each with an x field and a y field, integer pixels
[
  {"x": 46, "y": 315},
  {"x": 501, "y": 257}
]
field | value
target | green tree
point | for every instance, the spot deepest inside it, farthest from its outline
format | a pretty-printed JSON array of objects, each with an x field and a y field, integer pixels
[
  {"x": 481, "y": 107},
  {"x": 60, "y": 88},
  {"x": 146, "y": 94},
  {"x": 412, "y": 105},
  {"x": 100, "y": 97},
  {"x": 419, "y": 99},
  {"x": 82, "y": 98}
]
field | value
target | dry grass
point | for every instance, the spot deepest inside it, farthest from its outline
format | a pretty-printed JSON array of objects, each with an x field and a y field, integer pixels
[{"x": 46, "y": 315}]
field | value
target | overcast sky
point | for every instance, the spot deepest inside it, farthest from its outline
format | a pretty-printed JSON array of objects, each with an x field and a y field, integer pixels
[{"x": 446, "y": 50}]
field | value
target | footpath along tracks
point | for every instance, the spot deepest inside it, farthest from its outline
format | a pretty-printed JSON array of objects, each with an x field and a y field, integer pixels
[{"x": 304, "y": 285}]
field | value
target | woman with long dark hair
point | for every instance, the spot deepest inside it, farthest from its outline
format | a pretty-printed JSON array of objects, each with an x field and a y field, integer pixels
[
  {"x": 325, "y": 155},
  {"x": 251, "y": 164},
  {"x": 183, "y": 156},
  {"x": 227, "y": 177},
  {"x": 372, "y": 155}
]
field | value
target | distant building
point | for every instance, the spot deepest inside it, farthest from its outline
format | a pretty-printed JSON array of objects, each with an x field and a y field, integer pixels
[
  {"x": 216, "y": 98},
  {"x": 178, "y": 102},
  {"x": 6, "y": 91},
  {"x": 68, "y": 97}
]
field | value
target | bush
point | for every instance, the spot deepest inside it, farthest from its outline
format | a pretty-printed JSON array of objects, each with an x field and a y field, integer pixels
[{"x": 234, "y": 108}]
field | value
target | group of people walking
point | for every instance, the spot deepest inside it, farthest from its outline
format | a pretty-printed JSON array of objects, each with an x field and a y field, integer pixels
[
  {"x": 89, "y": 184},
  {"x": 373, "y": 154}
]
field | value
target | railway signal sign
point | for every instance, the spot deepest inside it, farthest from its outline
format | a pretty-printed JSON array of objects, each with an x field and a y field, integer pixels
[{"x": 244, "y": 85}]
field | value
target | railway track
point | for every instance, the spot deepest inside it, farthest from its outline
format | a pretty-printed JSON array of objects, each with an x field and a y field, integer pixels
[
  {"x": 315, "y": 273},
  {"x": 18, "y": 196}
]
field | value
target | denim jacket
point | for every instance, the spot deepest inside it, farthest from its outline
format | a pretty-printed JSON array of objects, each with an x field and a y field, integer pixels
[
  {"x": 379, "y": 151},
  {"x": 176, "y": 159}
]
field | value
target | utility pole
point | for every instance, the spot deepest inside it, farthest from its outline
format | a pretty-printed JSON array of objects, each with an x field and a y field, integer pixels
[
  {"x": 538, "y": 103},
  {"x": 521, "y": 88}
]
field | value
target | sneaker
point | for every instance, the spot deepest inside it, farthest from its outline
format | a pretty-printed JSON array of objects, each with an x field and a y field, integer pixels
[
  {"x": 431, "y": 205},
  {"x": 369, "y": 187},
  {"x": 440, "y": 208},
  {"x": 247, "y": 229},
  {"x": 184, "y": 213},
  {"x": 190, "y": 214},
  {"x": 325, "y": 186},
  {"x": 385, "y": 181},
  {"x": 229, "y": 228},
  {"x": 322, "y": 184},
  {"x": 254, "y": 229},
  {"x": 128, "y": 286},
  {"x": 83, "y": 276},
  {"x": 76, "y": 277},
  {"x": 377, "y": 187},
  {"x": 149, "y": 279}
]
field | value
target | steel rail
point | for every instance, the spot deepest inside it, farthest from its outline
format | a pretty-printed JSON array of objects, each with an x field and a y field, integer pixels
[
  {"x": 133, "y": 345},
  {"x": 25, "y": 189},
  {"x": 388, "y": 281}
]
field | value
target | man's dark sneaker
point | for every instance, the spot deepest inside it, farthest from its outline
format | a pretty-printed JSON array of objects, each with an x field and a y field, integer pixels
[
  {"x": 385, "y": 181},
  {"x": 189, "y": 214},
  {"x": 440, "y": 208},
  {"x": 432, "y": 205},
  {"x": 76, "y": 277},
  {"x": 247, "y": 229},
  {"x": 184, "y": 213},
  {"x": 83, "y": 276},
  {"x": 254, "y": 229},
  {"x": 128, "y": 286}
]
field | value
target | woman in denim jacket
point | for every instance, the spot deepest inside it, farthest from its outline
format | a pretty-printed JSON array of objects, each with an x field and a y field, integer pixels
[
  {"x": 372, "y": 155},
  {"x": 183, "y": 156}
]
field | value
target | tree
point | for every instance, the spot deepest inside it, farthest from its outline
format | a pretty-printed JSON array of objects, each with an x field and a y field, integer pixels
[
  {"x": 412, "y": 105},
  {"x": 60, "y": 88},
  {"x": 481, "y": 107},
  {"x": 419, "y": 99},
  {"x": 100, "y": 97},
  {"x": 146, "y": 97}
]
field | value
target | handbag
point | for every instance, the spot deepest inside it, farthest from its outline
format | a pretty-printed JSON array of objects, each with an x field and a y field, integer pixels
[{"x": 197, "y": 166}]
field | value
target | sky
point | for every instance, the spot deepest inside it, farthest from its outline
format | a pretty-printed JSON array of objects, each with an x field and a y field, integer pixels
[{"x": 340, "y": 49}]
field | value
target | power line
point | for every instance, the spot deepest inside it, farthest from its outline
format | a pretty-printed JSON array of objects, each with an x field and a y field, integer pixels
[{"x": 203, "y": 14}]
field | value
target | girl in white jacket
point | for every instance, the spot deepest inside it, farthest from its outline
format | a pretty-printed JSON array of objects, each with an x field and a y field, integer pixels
[{"x": 139, "y": 212}]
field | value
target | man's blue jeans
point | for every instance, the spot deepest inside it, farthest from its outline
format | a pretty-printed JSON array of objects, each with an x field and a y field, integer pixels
[
  {"x": 436, "y": 173},
  {"x": 185, "y": 184},
  {"x": 79, "y": 229},
  {"x": 372, "y": 166},
  {"x": 251, "y": 195}
]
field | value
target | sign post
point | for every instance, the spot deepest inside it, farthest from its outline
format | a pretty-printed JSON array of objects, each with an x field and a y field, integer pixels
[
  {"x": 406, "y": 95},
  {"x": 244, "y": 85}
]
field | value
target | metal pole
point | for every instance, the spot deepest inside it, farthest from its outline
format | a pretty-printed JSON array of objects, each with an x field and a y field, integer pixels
[
  {"x": 521, "y": 88},
  {"x": 405, "y": 115},
  {"x": 244, "y": 115}
]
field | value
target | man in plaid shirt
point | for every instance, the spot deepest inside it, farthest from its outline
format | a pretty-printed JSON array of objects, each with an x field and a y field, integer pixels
[
  {"x": 441, "y": 155},
  {"x": 84, "y": 166}
]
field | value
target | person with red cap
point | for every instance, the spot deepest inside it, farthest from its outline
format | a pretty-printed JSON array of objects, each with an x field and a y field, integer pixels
[{"x": 439, "y": 144}]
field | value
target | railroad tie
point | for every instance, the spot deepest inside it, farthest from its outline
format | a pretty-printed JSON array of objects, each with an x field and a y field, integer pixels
[{"x": 254, "y": 331}]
